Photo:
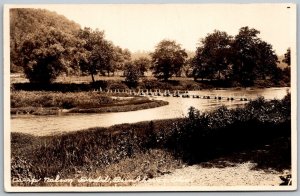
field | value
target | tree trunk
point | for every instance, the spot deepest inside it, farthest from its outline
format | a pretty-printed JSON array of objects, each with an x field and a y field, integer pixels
[{"x": 93, "y": 79}]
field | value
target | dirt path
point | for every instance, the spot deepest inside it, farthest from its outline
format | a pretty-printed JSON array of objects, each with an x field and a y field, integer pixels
[{"x": 237, "y": 175}]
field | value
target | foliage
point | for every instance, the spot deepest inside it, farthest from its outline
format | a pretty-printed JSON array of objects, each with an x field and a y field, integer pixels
[
  {"x": 48, "y": 53},
  {"x": 243, "y": 59},
  {"x": 213, "y": 56},
  {"x": 142, "y": 64},
  {"x": 28, "y": 21},
  {"x": 97, "y": 53},
  {"x": 252, "y": 57},
  {"x": 205, "y": 135},
  {"x": 132, "y": 75},
  {"x": 120, "y": 58},
  {"x": 49, "y": 103},
  {"x": 167, "y": 59},
  {"x": 66, "y": 154},
  {"x": 57, "y": 99},
  {"x": 198, "y": 137},
  {"x": 287, "y": 57}
]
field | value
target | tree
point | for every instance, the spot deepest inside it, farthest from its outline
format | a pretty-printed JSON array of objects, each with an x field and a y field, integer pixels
[
  {"x": 27, "y": 21},
  {"x": 142, "y": 64},
  {"x": 131, "y": 74},
  {"x": 200, "y": 67},
  {"x": 253, "y": 58},
  {"x": 245, "y": 55},
  {"x": 167, "y": 59},
  {"x": 266, "y": 63},
  {"x": 287, "y": 57},
  {"x": 120, "y": 58},
  {"x": 98, "y": 53},
  {"x": 213, "y": 55},
  {"x": 47, "y": 53}
]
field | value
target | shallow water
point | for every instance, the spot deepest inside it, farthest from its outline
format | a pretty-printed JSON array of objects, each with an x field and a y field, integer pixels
[{"x": 178, "y": 107}]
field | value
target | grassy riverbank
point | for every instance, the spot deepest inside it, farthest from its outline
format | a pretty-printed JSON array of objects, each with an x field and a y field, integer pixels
[
  {"x": 258, "y": 133},
  {"x": 47, "y": 103}
]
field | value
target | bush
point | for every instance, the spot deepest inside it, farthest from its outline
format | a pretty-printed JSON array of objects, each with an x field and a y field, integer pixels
[{"x": 203, "y": 136}]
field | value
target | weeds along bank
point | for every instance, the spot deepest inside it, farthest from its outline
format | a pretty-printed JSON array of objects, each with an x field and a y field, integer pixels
[
  {"x": 151, "y": 149},
  {"x": 44, "y": 103}
]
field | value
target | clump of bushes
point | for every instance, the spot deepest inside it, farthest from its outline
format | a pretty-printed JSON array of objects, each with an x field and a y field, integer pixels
[{"x": 202, "y": 136}]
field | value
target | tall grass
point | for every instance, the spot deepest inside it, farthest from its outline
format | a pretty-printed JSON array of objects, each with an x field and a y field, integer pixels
[
  {"x": 43, "y": 103},
  {"x": 58, "y": 99}
]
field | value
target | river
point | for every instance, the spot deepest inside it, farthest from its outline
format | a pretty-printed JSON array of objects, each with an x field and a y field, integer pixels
[{"x": 178, "y": 107}]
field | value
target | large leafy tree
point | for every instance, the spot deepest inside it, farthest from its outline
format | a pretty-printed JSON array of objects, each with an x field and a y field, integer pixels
[
  {"x": 167, "y": 59},
  {"x": 27, "y": 21},
  {"x": 253, "y": 58},
  {"x": 213, "y": 55},
  {"x": 245, "y": 55},
  {"x": 47, "y": 53},
  {"x": 98, "y": 53}
]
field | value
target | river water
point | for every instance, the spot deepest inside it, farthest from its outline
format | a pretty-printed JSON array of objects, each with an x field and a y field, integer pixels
[{"x": 178, "y": 107}]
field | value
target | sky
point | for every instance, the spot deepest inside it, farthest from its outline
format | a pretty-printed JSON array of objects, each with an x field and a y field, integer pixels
[{"x": 142, "y": 27}]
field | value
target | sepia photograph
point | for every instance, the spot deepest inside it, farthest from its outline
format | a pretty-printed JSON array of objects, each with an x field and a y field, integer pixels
[{"x": 150, "y": 97}]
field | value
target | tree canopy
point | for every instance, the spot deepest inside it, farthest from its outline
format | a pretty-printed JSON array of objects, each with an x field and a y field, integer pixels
[
  {"x": 47, "y": 53},
  {"x": 45, "y": 44},
  {"x": 167, "y": 59},
  {"x": 243, "y": 58},
  {"x": 27, "y": 21},
  {"x": 213, "y": 55},
  {"x": 142, "y": 64},
  {"x": 97, "y": 52}
]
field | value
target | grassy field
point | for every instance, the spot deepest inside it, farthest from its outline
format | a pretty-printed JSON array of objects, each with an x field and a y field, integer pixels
[
  {"x": 259, "y": 133},
  {"x": 43, "y": 103}
]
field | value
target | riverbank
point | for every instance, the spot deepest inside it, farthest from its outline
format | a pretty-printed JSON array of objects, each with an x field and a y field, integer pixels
[
  {"x": 83, "y": 83},
  {"x": 57, "y": 103},
  {"x": 258, "y": 133}
]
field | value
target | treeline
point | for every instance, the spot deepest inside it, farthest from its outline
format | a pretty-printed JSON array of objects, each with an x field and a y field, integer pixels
[{"x": 46, "y": 45}]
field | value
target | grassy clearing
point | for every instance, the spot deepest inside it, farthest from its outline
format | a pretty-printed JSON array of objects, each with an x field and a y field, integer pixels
[
  {"x": 258, "y": 133},
  {"x": 43, "y": 103}
]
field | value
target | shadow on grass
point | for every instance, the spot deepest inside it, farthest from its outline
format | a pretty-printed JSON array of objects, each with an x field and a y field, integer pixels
[
  {"x": 275, "y": 155},
  {"x": 267, "y": 145}
]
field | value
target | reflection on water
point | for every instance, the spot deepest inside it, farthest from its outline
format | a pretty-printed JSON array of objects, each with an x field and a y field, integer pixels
[{"x": 178, "y": 107}]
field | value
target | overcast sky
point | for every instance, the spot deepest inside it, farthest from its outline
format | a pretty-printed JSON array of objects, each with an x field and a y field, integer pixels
[{"x": 141, "y": 27}]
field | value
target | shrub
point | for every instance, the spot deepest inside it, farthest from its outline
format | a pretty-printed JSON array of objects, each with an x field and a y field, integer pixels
[{"x": 202, "y": 136}]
